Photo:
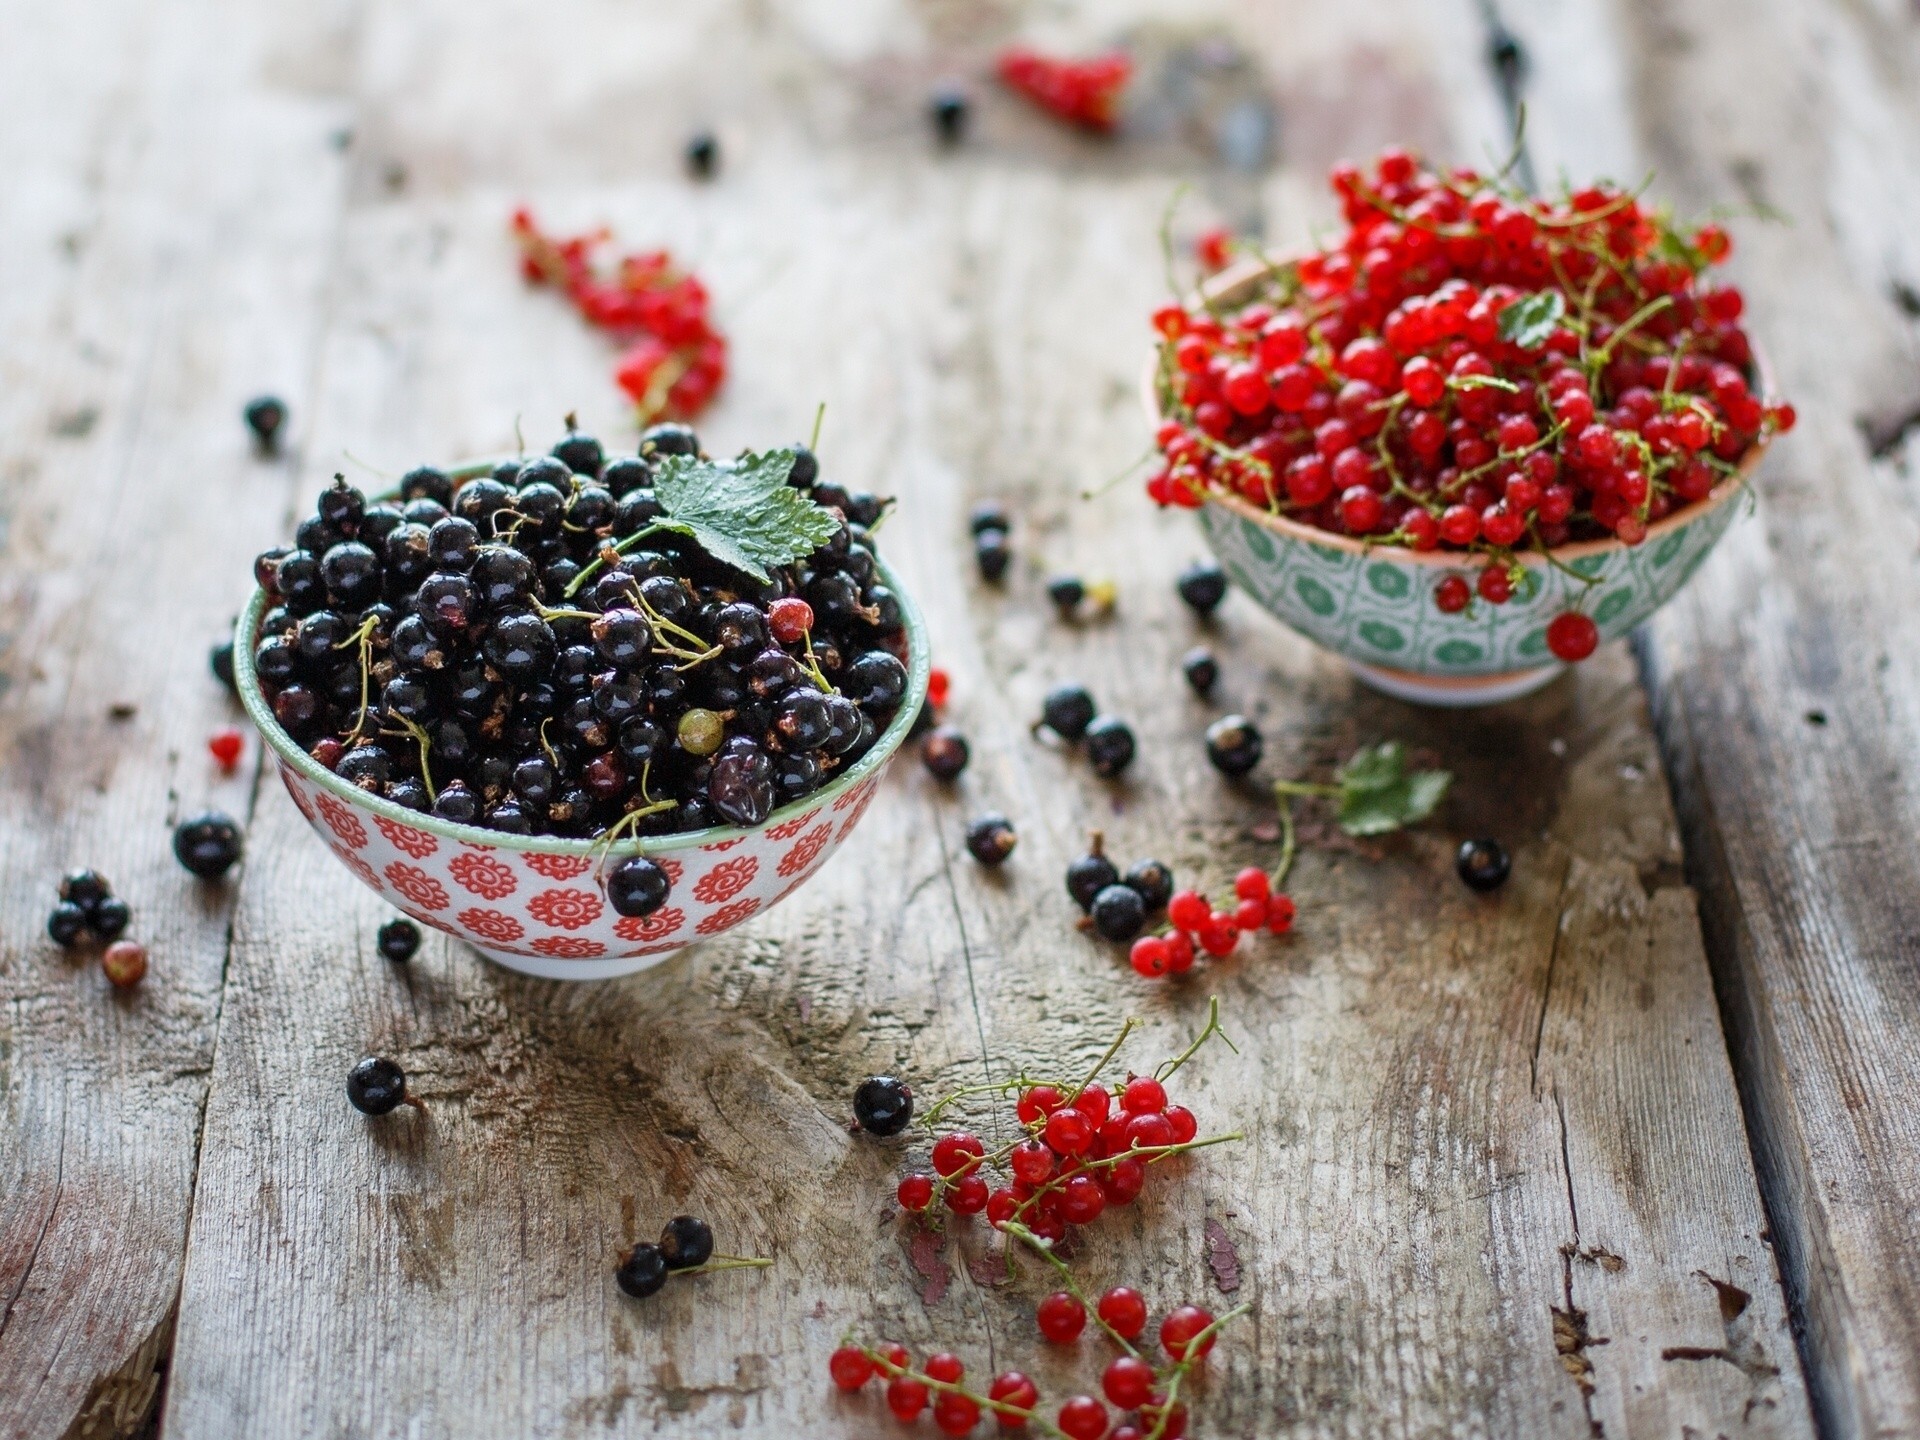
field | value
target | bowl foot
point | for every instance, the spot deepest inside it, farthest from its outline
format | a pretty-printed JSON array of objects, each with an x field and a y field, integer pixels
[
  {"x": 1454, "y": 692},
  {"x": 610, "y": 968}
]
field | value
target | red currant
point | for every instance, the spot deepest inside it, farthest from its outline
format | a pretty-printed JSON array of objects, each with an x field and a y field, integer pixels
[
  {"x": 957, "y": 1154},
  {"x": 967, "y": 1196},
  {"x": 1189, "y": 911},
  {"x": 790, "y": 618},
  {"x": 1143, "y": 1095},
  {"x": 906, "y": 1398},
  {"x": 1572, "y": 636},
  {"x": 915, "y": 1192},
  {"x": 1452, "y": 595},
  {"x": 1061, "y": 1318},
  {"x": 1125, "y": 1178},
  {"x": 1031, "y": 1163},
  {"x": 1083, "y": 1418},
  {"x": 849, "y": 1367},
  {"x": 225, "y": 746},
  {"x": 1069, "y": 1132},
  {"x": 1128, "y": 1382},
  {"x": 1185, "y": 1127},
  {"x": 1124, "y": 1310},
  {"x": 1178, "y": 1330},
  {"x": 1280, "y": 912},
  {"x": 1037, "y": 1102},
  {"x": 955, "y": 1414},
  {"x": 1149, "y": 956},
  {"x": 1012, "y": 1388}
]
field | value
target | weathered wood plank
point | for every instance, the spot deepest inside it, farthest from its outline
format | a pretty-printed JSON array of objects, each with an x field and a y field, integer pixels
[
  {"x": 169, "y": 209},
  {"x": 1786, "y": 679},
  {"x": 1461, "y": 1114}
]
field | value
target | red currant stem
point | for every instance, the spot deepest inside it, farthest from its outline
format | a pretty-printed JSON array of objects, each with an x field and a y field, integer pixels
[
  {"x": 892, "y": 1371},
  {"x": 819, "y": 416},
  {"x": 1126, "y": 1028},
  {"x": 726, "y": 1262},
  {"x": 1303, "y": 787},
  {"x": 1045, "y": 1251},
  {"x": 1597, "y": 361},
  {"x": 1212, "y": 1028},
  {"x": 1555, "y": 561},
  {"x": 1178, "y": 1372},
  {"x": 1482, "y": 382},
  {"x": 1146, "y": 457},
  {"x": 619, "y": 548},
  {"x": 1289, "y": 839}
]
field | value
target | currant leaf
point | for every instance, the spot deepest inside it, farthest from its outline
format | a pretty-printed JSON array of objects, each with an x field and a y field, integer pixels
[
  {"x": 1378, "y": 794},
  {"x": 1529, "y": 322},
  {"x": 743, "y": 513}
]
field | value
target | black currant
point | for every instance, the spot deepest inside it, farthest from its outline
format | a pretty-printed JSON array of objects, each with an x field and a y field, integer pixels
[
  {"x": 220, "y": 661},
  {"x": 991, "y": 553},
  {"x": 1110, "y": 746},
  {"x": 669, "y": 438},
  {"x": 85, "y": 888},
  {"x": 1153, "y": 882},
  {"x": 989, "y": 515},
  {"x": 1066, "y": 592},
  {"x": 949, "y": 108},
  {"x": 66, "y": 924},
  {"x": 944, "y": 752},
  {"x": 1203, "y": 585},
  {"x": 207, "y": 844},
  {"x": 398, "y": 939},
  {"x": 424, "y": 482},
  {"x": 265, "y": 415},
  {"x": 109, "y": 918},
  {"x": 991, "y": 839},
  {"x": 375, "y": 1085},
  {"x": 1233, "y": 745},
  {"x": 876, "y": 681},
  {"x": 638, "y": 886},
  {"x": 686, "y": 1241},
  {"x": 1067, "y": 711},
  {"x": 1483, "y": 864},
  {"x": 1201, "y": 669},
  {"x": 1088, "y": 876},
  {"x": 883, "y": 1105},
  {"x": 580, "y": 453},
  {"x": 453, "y": 543},
  {"x": 1118, "y": 913},
  {"x": 643, "y": 1272},
  {"x": 456, "y": 804},
  {"x": 703, "y": 155},
  {"x": 627, "y": 474}
]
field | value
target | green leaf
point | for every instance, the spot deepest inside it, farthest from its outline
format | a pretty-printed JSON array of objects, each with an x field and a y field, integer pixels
[
  {"x": 1527, "y": 323},
  {"x": 1378, "y": 794},
  {"x": 742, "y": 513}
]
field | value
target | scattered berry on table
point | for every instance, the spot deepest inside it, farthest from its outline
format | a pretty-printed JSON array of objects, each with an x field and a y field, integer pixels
[
  {"x": 225, "y": 746},
  {"x": 398, "y": 940},
  {"x": 944, "y": 752},
  {"x": 850, "y": 1367},
  {"x": 1203, "y": 585},
  {"x": 1118, "y": 913},
  {"x": 1233, "y": 745},
  {"x": 883, "y": 1105},
  {"x": 1081, "y": 92},
  {"x": 991, "y": 552},
  {"x": 376, "y": 1085},
  {"x": 915, "y": 1192},
  {"x": 638, "y": 886},
  {"x": 939, "y": 686},
  {"x": 685, "y": 1242},
  {"x": 109, "y": 917},
  {"x": 1178, "y": 1330},
  {"x": 1110, "y": 746},
  {"x": 703, "y": 154},
  {"x": 1090, "y": 874},
  {"x": 1572, "y": 637},
  {"x": 1125, "y": 1312},
  {"x": 266, "y": 415},
  {"x": 85, "y": 888},
  {"x": 220, "y": 662},
  {"x": 66, "y": 924},
  {"x": 989, "y": 515},
  {"x": 1152, "y": 881},
  {"x": 125, "y": 963},
  {"x": 1061, "y": 1318},
  {"x": 1483, "y": 864},
  {"x": 643, "y": 1272},
  {"x": 1067, "y": 711},
  {"x": 991, "y": 839},
  {"x": 1066, "y": 592},
  {"x": 1201, "y": 669},
  {"x": 207, "y": 844},
  {"x": 87, "y": 907},
  {"x": 950, "y": 110},
  {"x": 1083, "y": 1418}
]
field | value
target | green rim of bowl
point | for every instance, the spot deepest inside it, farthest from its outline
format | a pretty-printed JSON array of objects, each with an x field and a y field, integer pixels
[{"x": 919, "y": 666}]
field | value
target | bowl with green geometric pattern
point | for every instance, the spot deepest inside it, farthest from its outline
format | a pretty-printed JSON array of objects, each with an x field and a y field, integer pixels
[{"x": 1373, "y": 606}]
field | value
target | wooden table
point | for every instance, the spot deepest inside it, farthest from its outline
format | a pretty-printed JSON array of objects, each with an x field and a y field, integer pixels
[{"x": 1633, "y": 1150}]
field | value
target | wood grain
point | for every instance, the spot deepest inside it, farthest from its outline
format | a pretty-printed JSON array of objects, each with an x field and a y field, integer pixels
[
  {"x": 1495, "y": 1181},
  {"x": 165, "y": 235},
  {"x": 1786, "y": 680}
]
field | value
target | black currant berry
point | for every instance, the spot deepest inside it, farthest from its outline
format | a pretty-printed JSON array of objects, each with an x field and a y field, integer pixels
[
  {"x": 109, "y": 919},
  {"x": 1201, "y": 669},
  {"x": 685, "y": 1242},
  {"x": 1233, "y": 745},
  {"x": 991, "y": 839},
  {"x": 669, "y": 438},
  {"x": 375, "y": 1085},
  {"x": 208, "y": 844},
  {"x": 85, "y": 888},
  {"x": 642, "y": 1272},
  {"x": 703, "y": 155},
  {"x": 1203, "y": 585},
  {"x": 1118, "y": 913},
  {"x": 265, "y": 416},
  {"x": 991, "y": 552},
  {"x": 1153, "y": 882},
  {"x": 425, "y": 482},
  {"x": 989, "y": 515},
  {"x": 638, "y": 886},
  {"x": 66, "y": 924},
  {"x": 1067, "y": 711},
  {"x": 580, "y": 453},
  {"x": 945, "y": 752},
  {"x": 1088, "y": 876},
  {"x": 1066, "y": 592},
  {"x": 220, "y": 661},
  {"x": 1110, "y": 746},
  {"x": 883, "y": 1105},
  {"x": 1483, "y": 864},
  {"x": 398, "y": 939},
  {"x": 949, "y": 108}
]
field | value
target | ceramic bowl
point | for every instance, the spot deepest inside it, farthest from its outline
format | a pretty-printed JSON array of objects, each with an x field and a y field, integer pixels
[
  {"x": 536, "y": 904},
  {"x": 1372, "y": 605}
]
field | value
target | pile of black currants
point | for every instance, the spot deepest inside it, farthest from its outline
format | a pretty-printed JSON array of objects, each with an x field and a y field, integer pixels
[{"x": 548, "y": 650}]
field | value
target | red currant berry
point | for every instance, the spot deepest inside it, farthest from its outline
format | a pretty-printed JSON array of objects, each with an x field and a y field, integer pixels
[
  {"x": 967, "y": 1196},
  {"x": 1149, "y": 1132},
  {"x": 1308, "y": 481},
  {"x": 1189, "y": 910},
  {"x": 1185, "y": 1127},
  {"x": 1031, "y": 1163},
  {"x": 1094, "y": 1103},
  {"x": 943, "y": 1366},
  {"x": 1037, "y": 1102},
  {"x": 955, "y": 1414},
  {"x": 1495, "y": 585},
  {"x": 1083, "y": 1418},
  {"x": 957, "y": 1154},
  {"x": 790, "y": 618},
  {"x": 1125, "y": 1178},
  {"x": 849, "y": 1367},
  {"x": 1250, "y": 915},
  {"x": 225, "y": 746},
  {"x": 1128, "y": 1382},
  {"x": 1149, "y": 956},
  {"x": 1219, "y": 935},
  {"x": 1280, "y": 912},
  {"x": 1179, "y": 953},
  {"x": 1503, "y": 526},
  {"x": 1179, "y": 1328},
  {"x": 1069, "y": 1132},
  {"x": 1423, "y": 381},
  {"x": 1144, "y": 1095},
  {"x": 1173, "y": 1426},
  {"x": 1452, "y": 595},
  {"x": 915, "y": 1192},
  {"x": 1252, "y": 884},
  {"x": 1002, "y": 1205},
  {"x": 1421, "y": 531},
  {"x": 939, "y": 684},
  {"x": 1360, "y": 509},
  {"x": 1082, "y": 1200},
  {"x": 1014, "y": 1389},
  {"x": 1124, "y": 1310},
  {"x": 906, "y": 1398},
  {"x": 1061, "y": 1317},
  {"x": 896, "y": 1356},
  {"x": 1572, "y": 636},
  {"x": 1245, "y": 389}
]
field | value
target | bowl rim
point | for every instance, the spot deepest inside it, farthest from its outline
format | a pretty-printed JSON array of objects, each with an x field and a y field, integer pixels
[
  {"x": 1245, "y": 273},
  {"x": 288, "y": 752}
]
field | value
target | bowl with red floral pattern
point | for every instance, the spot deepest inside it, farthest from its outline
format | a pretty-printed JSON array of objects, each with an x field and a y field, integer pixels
[{"x": 538, "y": 904}]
